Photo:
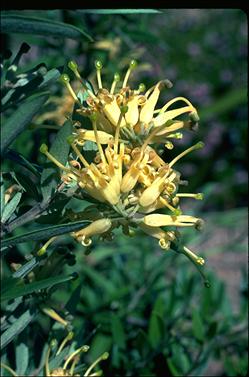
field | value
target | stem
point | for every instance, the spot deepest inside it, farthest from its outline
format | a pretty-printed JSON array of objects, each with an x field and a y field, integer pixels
[
  {"x": 9, "y": 369},
  {"x": 32, "y": 214}
]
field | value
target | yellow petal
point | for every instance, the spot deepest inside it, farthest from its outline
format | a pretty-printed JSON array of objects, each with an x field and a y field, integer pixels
[
  {"x": 147, "y": 110},
  {"x": 152, "y": 192},
  {"x": 96, "y": 227},
  {"x": 112, "y": 112},
  {"x": 171, "y": 114},
  {"x": 153, "y": 231},
  {"x": 167, "y": 220},
  {"x": 130, "y": 179},
  {"x": 104, "y": 137},
  {"x": 132, "y": 114}
]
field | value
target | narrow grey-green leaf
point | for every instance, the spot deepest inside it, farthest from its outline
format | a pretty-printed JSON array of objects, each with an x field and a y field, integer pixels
[
  {"x": 45, "y": 233},
  {"x": 21, "y": 118},
  {"x": 16, "y": 23},
  {"x": 74, "y": 299},
  {"x": 26, "y": 268},
  {"x": 22, "y": 358},
  {"x": 2, "y": 205},
  {"x": 50, "y": 77},
  {"x": 21, "y": 160},
  {"x": 58, "y": 359},
  {"x": 17, "y": 327},
  {"x": 26, "y": 289},
  {"x": 10, "y": 207},
  {"x": 60, "y": 150},
  {"x": 119, "y": 11}
]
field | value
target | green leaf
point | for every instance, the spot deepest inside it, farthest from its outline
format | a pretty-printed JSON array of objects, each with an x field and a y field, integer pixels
[
  {"x": 26, "y": 268},
  {"x": 17, "y": 23},
  {"x": 198, "y": 327},
  {"x": 99, "y": 280},
  {"x": 2, "y": 195},
  {"x": 20, "y": 290},
  {"x": 30, "y": 85},
  {"x": 22, "y": 161},
  {"x": 45, "y": 233},
  {"x": 119, "y": 11},
  {"x": 51, "y": 76},
  {"x": 27, "y": 184},
  {"x": 21, "y": 118},
  {"x": 74, "y": 299},
  {"x": 22, "y": 359},
  {"x": 118, "y": 333},
  {"x": 173, "y": 369},
  {"x": 58, "y": 359},
  {"x": 101, "y": 343},
  {"x": 156, "y": 324},
  {"x": 10, "y": 207},
  {"x": 17, "y": 327},
  {"x": 225, "y": 104},
  {"x": 60, "y": 150}
]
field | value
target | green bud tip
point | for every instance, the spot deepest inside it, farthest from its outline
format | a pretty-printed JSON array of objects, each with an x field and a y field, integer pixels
[
  {"x": 132, "y": 233},
  {"x": 199, "y": 145},
  {"x": 72, "y": 65},
  {"x": 70, "y": 139},
  {"x": 133, "y": 64},
  {"x": 141, "y": 87},
  {"x": 199, "y": 196},
  {"x": 116, "y": 77},
  {"x": 105, "y": 356},
  {"x": 64, "y": 78},
  {"x": 98, "y": 64},
  {"x": 177, "y": 212},
  {"x": 70, "y": 335},
  {"x": 85, "y": 348},
  {"x": 43, "y": 148},
  {"x": 41, "y": 251},
  {"x": 124, "y": 109}
]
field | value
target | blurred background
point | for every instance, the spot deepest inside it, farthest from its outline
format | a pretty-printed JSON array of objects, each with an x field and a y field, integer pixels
[{"x": 150, "y": 309}]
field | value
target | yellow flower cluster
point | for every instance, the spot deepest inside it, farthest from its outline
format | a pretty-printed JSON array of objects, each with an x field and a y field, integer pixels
[{"x": 127, "y": 173}]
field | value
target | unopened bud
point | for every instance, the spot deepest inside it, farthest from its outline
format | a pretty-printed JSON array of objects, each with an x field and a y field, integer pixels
[
  {"x": 70, "y": 139},
  {"x": 133, "y": 64},
  {"x": 43, "y": 148},
  {"x": 98, "y": 64},
  {"x": 64, "y": 78},
  {"x": 73, "y": 65}
]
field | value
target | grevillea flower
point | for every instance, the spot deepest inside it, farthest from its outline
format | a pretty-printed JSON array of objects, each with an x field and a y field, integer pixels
[
  {"x": 68, "y": 367},
  {"x": 68, "y": 363},
  {"x": 127, "y": 175}
]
